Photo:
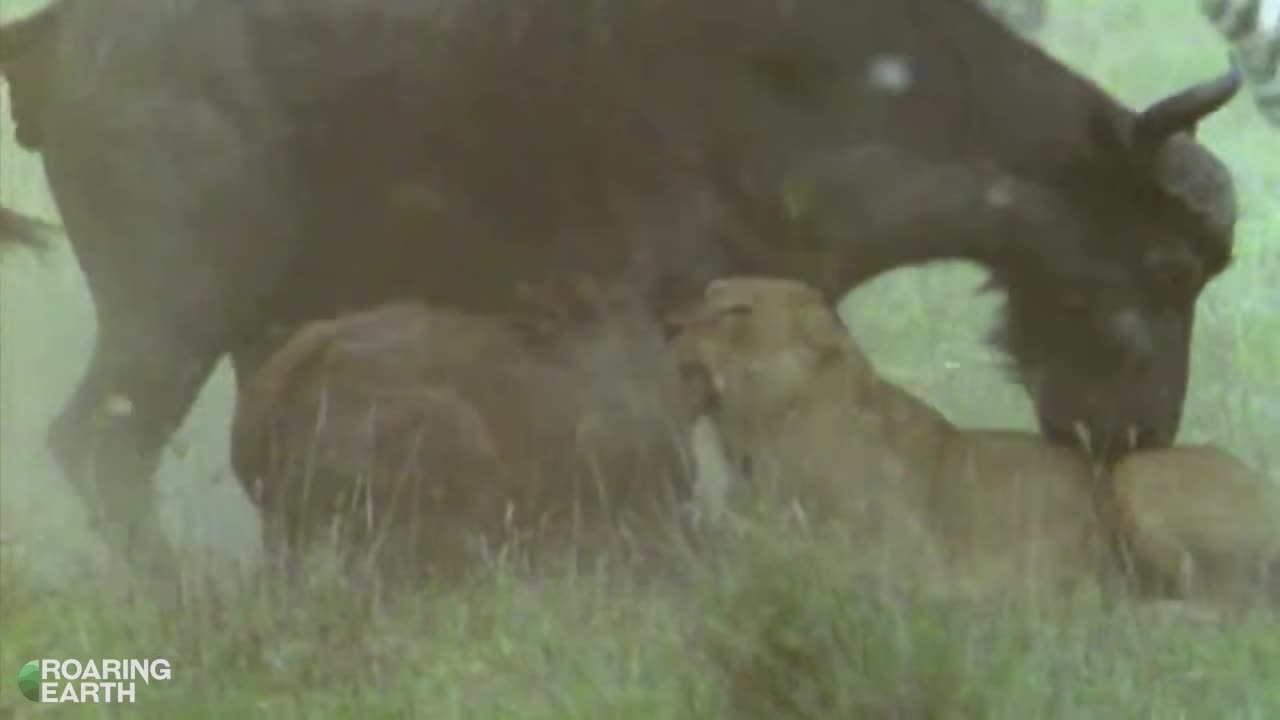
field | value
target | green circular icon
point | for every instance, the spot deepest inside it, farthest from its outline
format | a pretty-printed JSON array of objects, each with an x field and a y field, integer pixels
[{"x": 29, "y": 681}]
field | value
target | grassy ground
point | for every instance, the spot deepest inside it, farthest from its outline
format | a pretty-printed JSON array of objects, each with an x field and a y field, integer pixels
[{"x": 786, "y": 628}]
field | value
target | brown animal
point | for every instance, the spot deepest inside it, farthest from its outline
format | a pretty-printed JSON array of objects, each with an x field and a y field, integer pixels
[
  {"x": 421, "y": 429},
  {"x": 801, "y": 408},
  {"x": 1201, "y": 523},
  {"x": 1011, "y": 510},
  {"x": 779, "y": 371},
  {"x": 777, "y": 374}
]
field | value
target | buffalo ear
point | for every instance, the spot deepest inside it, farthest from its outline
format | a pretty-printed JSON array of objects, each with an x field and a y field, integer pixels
[
  {"x": 1111, "y": 134},
  {"x": 1118, "y": 152}
]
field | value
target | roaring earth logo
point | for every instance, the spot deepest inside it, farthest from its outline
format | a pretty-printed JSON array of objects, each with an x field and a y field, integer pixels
[{"x": 113, "y": 680}]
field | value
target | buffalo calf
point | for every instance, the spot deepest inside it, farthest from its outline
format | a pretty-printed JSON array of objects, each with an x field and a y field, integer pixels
[
  {"x": 416, "y": 431},
  {"x": 1201, "y": 523}
]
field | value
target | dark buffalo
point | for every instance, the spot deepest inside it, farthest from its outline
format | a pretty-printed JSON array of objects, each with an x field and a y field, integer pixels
[{"x": 224, "y": 168}]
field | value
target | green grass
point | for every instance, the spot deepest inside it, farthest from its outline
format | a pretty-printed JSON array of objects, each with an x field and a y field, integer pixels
[{"x": 785, "y": 627}]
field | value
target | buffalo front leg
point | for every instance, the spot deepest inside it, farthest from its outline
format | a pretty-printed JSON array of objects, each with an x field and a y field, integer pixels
[{"x": 109, "y": 437}]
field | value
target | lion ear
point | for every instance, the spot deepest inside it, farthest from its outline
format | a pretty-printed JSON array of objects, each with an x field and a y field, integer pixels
[{"x": 822, "y": 330}]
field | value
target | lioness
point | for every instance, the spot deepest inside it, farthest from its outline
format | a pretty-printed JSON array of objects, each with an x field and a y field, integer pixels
[
  {"x": 1014, "y": 511},
  {"x": 800, "y": 407},
  {"x": 797, "y": 408},
  {"x": 1206, "y": 525},
  {"x": 778, "y": 372}
]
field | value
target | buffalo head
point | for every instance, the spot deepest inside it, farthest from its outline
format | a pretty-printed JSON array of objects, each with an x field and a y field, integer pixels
[
  {"x": 891, "y": 138},
  {"x": 1101, "y": 304},
  {"x": 1101, "y": 241}
]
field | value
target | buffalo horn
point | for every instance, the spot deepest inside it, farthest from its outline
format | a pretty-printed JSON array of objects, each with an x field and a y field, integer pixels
[{"x": 1183, "y": 110}]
